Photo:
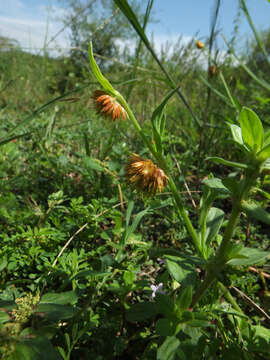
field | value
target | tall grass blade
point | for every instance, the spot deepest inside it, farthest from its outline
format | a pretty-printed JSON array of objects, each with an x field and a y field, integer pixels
[
  {"x": 128, "y": 12},
  {"x": 255, "y": 32},
  {"x": 138, "y": 50}
]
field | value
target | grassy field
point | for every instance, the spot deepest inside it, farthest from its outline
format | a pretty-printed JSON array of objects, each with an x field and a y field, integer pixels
[{"x": 109, "y": 256}]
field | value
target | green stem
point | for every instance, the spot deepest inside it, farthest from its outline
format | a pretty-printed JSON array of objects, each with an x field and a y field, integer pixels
[
  {"x": 229, "y": 297},
  {"x": 162, "y": 163},
  {"x": 222, "y": 251},
  {"x": 219, "y": 261}
]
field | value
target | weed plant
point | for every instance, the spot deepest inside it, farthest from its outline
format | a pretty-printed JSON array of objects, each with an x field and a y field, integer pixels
[{"x": 140, "y": 236}]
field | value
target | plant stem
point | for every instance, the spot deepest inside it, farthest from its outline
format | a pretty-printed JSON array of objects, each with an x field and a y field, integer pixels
[
  {"x": 229, "y": 297},
  {"x": 162, "y": 163},
  {"x": 222, "y": 255}
]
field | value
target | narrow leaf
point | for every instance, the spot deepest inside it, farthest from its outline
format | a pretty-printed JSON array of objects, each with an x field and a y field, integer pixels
[
  {"x": 236, "y": 133},
  {"x": 256, "y": 212},
  {"x": 214, "y": 221},
  {"x": 222, "y": 161},
  {"x": 250, "y": 256},
  {"x": 168, "y": 349},
  {"x": 185, "y": 297},
  {"x": 264, "y": 154},
  {"x": 128, "y": 12},
  {"x": 100, "y": 78},
  {"x": 158, "y": 112}
]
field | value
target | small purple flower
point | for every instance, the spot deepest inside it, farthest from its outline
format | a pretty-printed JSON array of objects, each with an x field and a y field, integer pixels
[
  {"x": 157, "y": 289},
  {"x": 160, "y": 261}
]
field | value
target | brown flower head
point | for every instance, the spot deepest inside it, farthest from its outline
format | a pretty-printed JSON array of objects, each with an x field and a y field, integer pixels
[
  {"x": 213, "y": 71},
  {"x": 199, "y": 44},
  {"x": 108, "y": 106},
  {"x": 145, "y": 176}
]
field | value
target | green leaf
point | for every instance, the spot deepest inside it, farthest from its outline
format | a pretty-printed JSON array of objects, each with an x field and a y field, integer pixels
[
  {"x": 141, "y": 311},
  {"x": 266, "y": 138},
  {"x": 216, "y": 185},
  {"x": 100, "y": 78},
  {"x": 232, "y": 184},
  {"x": 181, "y": 269},
  {"x": 128, "y": 12},
  {"x": 63, "y": 298},
  {"x": 222, "y": 161},
  {"x": 236, "y": 133},
  {"x": 256, "y": 212},
  {"x": 89, "y": 273},
  {"x": 158, "y": 113},
  {"x": 56, "y": 312},
  {"x": 3, "y": 264},
  {"x": 214, "y": 221},
  {"x": 158, "y": 120},
  {"x": 92, "y": 164},
  {"x": 168, "y": 349},
  {"x": 134, "y": 225},
  {"x": 234, "y": 251},
  {"x": 218, "y": 93},
  {"x": 129, "y": 277},
  {"x": 38, "y": 348},
  {"x": 129, "y": 212},
  {"x": 261, "y": 331},
  {"x": 3, "y": 317},
  {"x": 165, "y": 327},
  {"x": 185, "y": 297},
  {"x": 264, "y": 154},
  {"x": 165, "y": 305},
  {"x": 8, "y": 304},
  {"x": 250, "y": 256},
  {"x": 252, "y": 129}
]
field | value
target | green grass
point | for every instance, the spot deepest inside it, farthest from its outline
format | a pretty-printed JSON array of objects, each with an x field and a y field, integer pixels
[{"x": 75, "y": 235}]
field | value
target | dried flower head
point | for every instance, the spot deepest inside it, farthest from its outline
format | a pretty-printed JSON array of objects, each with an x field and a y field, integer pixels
[
  {"x": 145, "y": 176},
  {"x": 108, "y": 106},
  {"x": 213, "y": 71},
  {"x": 199, "y": 44}
]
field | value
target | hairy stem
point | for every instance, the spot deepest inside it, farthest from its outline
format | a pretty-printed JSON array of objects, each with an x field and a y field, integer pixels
[
  {"x": 162, "y": 163},
  {"x": 222, "y": 256}
]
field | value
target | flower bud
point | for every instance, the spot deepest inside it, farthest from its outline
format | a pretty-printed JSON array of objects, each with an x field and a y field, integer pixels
[{"x": 199, "y": 44}]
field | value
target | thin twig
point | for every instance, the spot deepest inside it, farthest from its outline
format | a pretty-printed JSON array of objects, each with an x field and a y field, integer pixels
[
  {"x": 251, "y": 302},
  {"x": 259, "y": 272},
  {"x": 79, "y": 230},
  {"x": 186, "y": 185}
]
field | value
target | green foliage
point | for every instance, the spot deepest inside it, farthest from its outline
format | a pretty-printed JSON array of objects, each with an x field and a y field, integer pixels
[{"x": 89, "y": 270}]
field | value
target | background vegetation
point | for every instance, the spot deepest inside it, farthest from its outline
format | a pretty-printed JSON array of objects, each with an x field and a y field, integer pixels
[{"x": 79, "y": 249}]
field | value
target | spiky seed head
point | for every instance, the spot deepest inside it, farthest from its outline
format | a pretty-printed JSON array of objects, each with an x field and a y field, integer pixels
[
  {"x": 145, "y": 176},
  {"x": 107, "y": 106}
]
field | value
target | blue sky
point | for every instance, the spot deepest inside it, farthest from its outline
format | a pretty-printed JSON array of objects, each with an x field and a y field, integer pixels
[{"x": 30, "y": 20}]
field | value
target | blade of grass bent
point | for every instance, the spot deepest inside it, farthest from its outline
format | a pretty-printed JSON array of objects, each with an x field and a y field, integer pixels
[
  {"x": 261, "y": 82},
  {"x": 132, "y": 18}
]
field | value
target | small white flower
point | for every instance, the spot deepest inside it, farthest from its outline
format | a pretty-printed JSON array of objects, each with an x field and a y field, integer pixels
[{"x": 157, "y": 289}]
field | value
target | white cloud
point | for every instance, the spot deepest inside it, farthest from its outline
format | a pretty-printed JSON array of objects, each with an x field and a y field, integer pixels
[{"x": 31, "y": 34}]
